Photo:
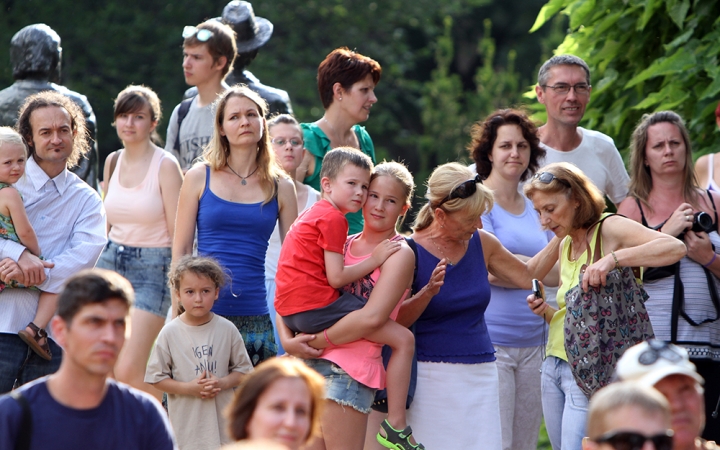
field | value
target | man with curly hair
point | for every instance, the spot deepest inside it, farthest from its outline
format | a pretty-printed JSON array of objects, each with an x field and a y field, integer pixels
[{"x": 69, "y": 220}]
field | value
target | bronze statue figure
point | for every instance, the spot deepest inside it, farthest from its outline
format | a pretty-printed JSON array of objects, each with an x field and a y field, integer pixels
[{"x": 36, "y": 58}]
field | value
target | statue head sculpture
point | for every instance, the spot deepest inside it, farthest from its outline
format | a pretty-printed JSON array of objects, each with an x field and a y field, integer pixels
[
  {"x": 35, "y": 52},
  {"x": 252, "y": 32}
]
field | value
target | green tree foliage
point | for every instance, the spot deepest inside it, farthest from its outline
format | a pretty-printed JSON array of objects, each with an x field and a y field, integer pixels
[
  {"x": 646, "y": 56},
  {"x": 448, "y": 111}
]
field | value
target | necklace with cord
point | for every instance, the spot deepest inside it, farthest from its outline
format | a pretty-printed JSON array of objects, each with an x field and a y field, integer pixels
[
  {"x": 572, "y": 250},
  {"x": 449, "y": 261},
  {"x": 343, "y": 143},
  {"x": 242, "y": 178}
]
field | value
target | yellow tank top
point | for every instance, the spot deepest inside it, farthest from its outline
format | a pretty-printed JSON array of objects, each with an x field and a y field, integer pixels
[{"x": 569, "y": 273}]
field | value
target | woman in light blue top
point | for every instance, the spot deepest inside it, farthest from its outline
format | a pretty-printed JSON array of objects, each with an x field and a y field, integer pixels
[{"x": 506, "y": 151}]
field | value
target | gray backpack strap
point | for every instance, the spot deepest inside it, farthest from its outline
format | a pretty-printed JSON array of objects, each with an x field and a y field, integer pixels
[{"x": 25, "y": 432}]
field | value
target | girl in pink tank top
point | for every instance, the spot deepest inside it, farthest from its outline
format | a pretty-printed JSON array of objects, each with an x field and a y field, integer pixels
[{"x": 360, "y": 361}]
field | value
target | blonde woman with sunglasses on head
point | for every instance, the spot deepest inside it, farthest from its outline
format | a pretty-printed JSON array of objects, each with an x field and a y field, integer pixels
[{"x": 456, "y": 402}]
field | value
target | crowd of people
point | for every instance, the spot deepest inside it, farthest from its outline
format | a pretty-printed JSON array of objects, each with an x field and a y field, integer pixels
[{"x": 512, "y": 300}]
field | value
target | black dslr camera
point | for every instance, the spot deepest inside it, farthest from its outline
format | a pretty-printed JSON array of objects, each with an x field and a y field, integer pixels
[{"x": 702, "y": 221}]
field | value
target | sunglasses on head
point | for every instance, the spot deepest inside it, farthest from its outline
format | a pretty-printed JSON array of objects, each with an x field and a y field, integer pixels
[
  {"x": 659, "y": 349},
  {"x": 463, "y": 190},
  {"x": 202, "y": 35},
  {"x": 547, "y": 178},
  {"x": 629, "y": 440}
]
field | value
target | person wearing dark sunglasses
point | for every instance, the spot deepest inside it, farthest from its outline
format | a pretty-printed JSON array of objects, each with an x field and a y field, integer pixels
[
  {"x": 457, "y": 400},
  {"x": 564, "y": 88},
  {"x": 668, "y": 369},
  {"x": 571, "y": 206},
  {"x": 628, "y": 416}
]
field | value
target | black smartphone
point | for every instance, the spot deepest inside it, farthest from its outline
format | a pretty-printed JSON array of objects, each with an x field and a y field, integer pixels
[{"x": 538, "y": 289}]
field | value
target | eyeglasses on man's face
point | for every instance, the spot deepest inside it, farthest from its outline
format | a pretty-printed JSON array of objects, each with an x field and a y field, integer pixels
[{"x": 564, "y": 88}]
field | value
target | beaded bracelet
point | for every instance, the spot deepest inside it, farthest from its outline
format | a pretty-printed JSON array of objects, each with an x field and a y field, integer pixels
[
  {"x": 617, "y": 264},
  {"x": 712, "y": 260}
]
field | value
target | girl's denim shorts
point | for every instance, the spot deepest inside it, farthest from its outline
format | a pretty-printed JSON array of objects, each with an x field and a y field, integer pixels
[
  {"x": 341, "y": 388},
  {"x": 147, "y": 269}
]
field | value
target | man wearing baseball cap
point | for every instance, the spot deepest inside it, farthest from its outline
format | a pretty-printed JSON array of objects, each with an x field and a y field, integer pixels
[{"x": 668, "y": 368}]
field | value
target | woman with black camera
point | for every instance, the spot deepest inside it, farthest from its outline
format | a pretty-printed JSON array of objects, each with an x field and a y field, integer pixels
[{"x": 664, "y": 195}]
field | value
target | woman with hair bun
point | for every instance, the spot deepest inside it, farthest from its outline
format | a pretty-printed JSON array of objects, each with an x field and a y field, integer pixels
[{"x": 456, "y": 403}]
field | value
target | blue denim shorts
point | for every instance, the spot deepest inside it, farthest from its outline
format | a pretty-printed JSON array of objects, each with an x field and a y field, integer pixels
[
  {"x": 146, "y": 268},
  {"x": 341, "y": 388}
]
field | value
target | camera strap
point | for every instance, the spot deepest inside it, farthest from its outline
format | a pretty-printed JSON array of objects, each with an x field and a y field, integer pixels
[
  {"x": 678, "y": 304},
  {"x": 678, "y": 309}
]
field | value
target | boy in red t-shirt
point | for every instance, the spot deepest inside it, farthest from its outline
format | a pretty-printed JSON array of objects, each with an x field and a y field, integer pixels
[{"x": 311, "y": 269}]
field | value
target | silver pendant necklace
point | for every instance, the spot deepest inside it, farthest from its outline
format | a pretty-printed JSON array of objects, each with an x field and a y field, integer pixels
[{"x": 242, "y": 178}]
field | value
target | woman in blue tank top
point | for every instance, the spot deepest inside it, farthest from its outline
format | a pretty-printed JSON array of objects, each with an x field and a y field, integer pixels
[{"x": 234, "y": 198}]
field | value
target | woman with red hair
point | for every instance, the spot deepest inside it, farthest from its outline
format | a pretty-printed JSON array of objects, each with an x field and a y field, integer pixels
[{"x": 346, "y": 82}]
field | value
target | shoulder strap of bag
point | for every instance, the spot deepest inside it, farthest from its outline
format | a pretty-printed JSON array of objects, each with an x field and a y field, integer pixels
[
  {"x": 25, "y": 432},
  {"x": 598, "y": 243},
  {"x": 182, "y": 113},
  {"x": 594, "y": 253}
]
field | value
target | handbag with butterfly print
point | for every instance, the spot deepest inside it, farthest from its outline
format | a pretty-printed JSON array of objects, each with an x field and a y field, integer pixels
[{"x": 602, "y": 323}]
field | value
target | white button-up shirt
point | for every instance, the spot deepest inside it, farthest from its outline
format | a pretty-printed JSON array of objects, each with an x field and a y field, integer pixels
[{"x": 69, "y": 221}]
